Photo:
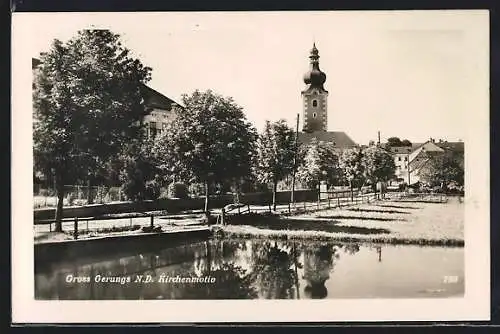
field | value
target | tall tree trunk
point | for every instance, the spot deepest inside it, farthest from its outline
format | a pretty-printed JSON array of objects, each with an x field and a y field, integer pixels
[
  {"x": 89, "y": 192},
  {"x": 59, "y": 208},
  {"x": 352, "y": 193},
  {"x": 206, "y": 197},
  {"x": 275, "y": 189},
  {"x": 318, "y": 189}
]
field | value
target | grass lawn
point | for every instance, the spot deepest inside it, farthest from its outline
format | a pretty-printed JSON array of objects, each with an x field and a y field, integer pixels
[{"x": 383, "y": 221}]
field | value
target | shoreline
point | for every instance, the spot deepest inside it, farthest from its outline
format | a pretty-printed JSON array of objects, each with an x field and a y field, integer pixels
[
  {"x": 230, "y": 233},
  {"x": 381, "y": 222}
]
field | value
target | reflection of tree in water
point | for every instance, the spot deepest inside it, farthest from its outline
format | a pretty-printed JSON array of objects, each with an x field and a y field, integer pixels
[
  {"x": 319, "y": 260},
  {"x": 351, "y": 249},
  {"x": 273, "y": 271},
  {"x": 231, "y": 281}
]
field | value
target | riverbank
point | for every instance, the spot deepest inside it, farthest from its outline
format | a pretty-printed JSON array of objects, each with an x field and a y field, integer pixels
[
  {"x": 389, "y": 221},
  {"x": 392, "y": 222}
]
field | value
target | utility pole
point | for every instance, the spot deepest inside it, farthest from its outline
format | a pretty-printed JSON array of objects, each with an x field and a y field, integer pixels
[
  {"x": 292, "y": 199},
  {"x": 409, "y": 171},
  {"x": 378, "y": 138}
]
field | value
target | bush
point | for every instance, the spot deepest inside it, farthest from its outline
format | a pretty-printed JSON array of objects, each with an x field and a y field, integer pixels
[
  {"x": 70, "y": 197},
  {"x": 153, "y": 189},
  {"x": 197, "y": 189},
  {"x": 178, "y": 190}
]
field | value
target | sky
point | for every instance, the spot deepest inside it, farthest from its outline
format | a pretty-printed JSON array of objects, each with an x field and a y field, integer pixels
[{"x": 410, "y": 74}]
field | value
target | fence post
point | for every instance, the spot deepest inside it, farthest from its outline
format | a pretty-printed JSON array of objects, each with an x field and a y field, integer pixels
[
  {"x": 152, "y": 221},
  {"x": 289, "y": 208},
  {"x": 50, "y": 227},
  {"x": 328, "y": 202},
  {"x": 75, "y": 228},
  {"x": 130, "y": 221},
  {"x": 248, "y": 208},
  {"x": 87, "y": 226}
]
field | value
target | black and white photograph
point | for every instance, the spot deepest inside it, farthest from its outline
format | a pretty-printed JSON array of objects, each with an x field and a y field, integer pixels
[{"x": 173, "y": 161}]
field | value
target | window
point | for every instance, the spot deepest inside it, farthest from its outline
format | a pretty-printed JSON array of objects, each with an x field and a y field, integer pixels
[
  {"x": 406, "y": 158},
  {"x": 152, "y": 129},
  {"x": 399, "y": 158},
  {"x": 315, "y": 103},
  {"x": 314, "y": 115}
]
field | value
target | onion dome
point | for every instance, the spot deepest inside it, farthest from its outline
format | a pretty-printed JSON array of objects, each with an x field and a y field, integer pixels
[{"x": 314, "y": 77}]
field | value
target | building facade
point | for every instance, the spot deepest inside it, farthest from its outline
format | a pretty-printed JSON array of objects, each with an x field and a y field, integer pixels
[
  {"x": 411, "y": 160},
  {"x": 162, "y": 111}
]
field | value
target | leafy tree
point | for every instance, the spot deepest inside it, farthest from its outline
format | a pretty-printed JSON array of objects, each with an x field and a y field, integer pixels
[
  {"x": 87, "y": 103},
  {"x": 442, "y": 169},
  {"x": 351, "y": 163},
  {"x": 310, "y": 172},
  {"x": 394, "y": 141},
  {"x": 319, "y": 164},
  {"x": 275, "y": 154},
  {"x": 405, "y": 142},
  {"x": 140, "y": 177},
  {"x": 209, "y": 142},
  {"x": 378, "y": 165}
]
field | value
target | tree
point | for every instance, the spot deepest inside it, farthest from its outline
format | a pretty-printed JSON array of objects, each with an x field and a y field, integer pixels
[
  {"x": 351, "y": 163},
  {"x": 87, "y": 103},
  {"x": 394, "y": 141},
  {"x": 378, "y": 165},
  {"x": 139, "y": 175},
  {"x": 275, "y": 154},
  {"x": 320, "y": 163},
  {"x": 442, "y": 169},
  {"x": 209, "y": 142},
  {"x": 405, "y": 142}
]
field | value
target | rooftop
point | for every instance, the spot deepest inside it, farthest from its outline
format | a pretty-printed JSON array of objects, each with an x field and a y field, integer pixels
[{"x": 339, "y": 138}]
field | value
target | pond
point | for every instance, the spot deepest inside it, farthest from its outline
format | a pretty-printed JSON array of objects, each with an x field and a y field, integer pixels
[{"x": 247, "y": 269}]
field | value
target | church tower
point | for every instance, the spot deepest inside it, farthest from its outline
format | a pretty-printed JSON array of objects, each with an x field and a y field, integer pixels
[{"x": 314, "y": 96}]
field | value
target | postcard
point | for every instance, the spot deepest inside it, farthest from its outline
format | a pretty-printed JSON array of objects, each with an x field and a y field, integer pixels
[{"x": 175, "y": 167}]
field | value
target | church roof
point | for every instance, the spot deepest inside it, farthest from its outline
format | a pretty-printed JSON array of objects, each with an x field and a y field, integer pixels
[
  {"x": 339, "y": 138},
  {"x": 155, "y": 99}
]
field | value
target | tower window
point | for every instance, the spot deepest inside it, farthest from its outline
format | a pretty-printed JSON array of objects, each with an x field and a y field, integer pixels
[
  {"x": 314, "y": 115},
  {"x": 315, "y": 103}
]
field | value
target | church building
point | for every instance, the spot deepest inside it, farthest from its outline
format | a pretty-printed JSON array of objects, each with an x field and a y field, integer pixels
[{"x": 315, "y": 109}]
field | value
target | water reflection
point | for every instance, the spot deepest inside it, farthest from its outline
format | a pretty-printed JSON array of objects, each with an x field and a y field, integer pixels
[{"x": 247, "y": 269}]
